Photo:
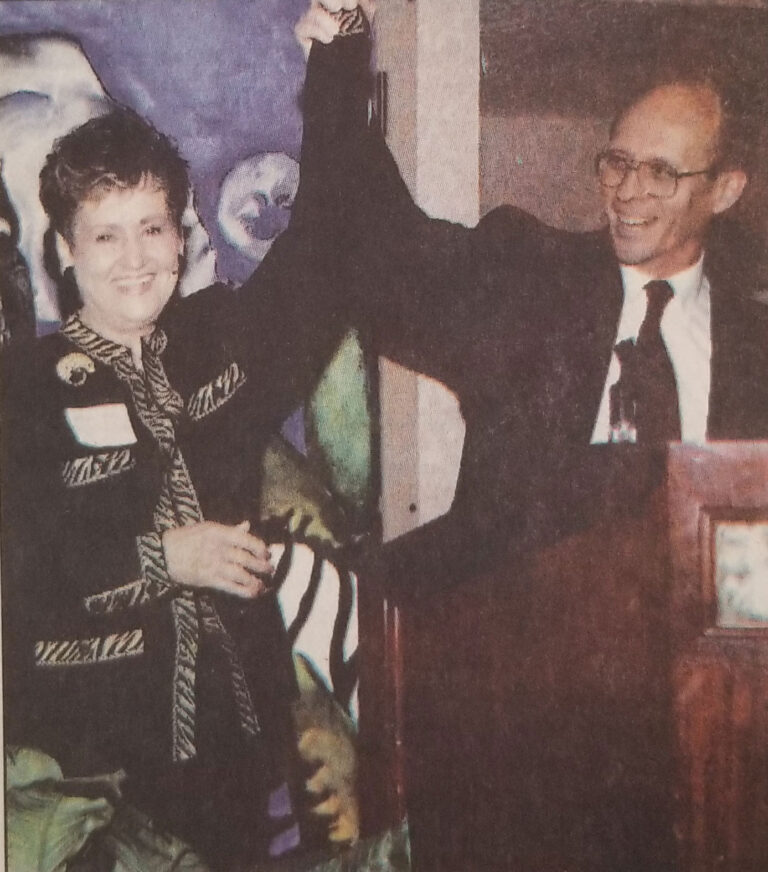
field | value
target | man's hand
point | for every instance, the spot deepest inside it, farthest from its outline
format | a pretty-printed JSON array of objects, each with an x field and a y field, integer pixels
[
  {"x": 321, "y": 21},
  {"x": 216, "y": 557}
]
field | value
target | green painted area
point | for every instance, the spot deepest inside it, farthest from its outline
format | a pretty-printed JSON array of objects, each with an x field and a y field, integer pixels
[{"x": 339, "y": 425}]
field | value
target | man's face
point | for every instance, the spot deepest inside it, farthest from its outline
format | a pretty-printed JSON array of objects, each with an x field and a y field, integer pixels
[
  {"x": 679, "y": 125},
  {"x": 125, "y": 250}
]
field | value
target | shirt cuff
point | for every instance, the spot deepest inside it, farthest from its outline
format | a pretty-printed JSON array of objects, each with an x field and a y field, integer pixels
[{"x": 351, "y": 22}]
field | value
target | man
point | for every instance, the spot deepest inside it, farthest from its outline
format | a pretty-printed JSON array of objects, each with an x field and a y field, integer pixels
[
  {"x": 521, "y": 319},
  {"x": 547, "y": 338},
  {"x": 668, "y": 170}
]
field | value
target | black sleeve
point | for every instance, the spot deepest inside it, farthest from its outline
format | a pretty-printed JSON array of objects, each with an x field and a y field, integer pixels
[
  {"x": 290, "y": 315},
  {"x": 360, "y": 252},
  {"x": 410, "y": 277}
]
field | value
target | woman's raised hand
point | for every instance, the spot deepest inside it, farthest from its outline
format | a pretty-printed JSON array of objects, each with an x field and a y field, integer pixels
[{"x": 321, "y": 20}]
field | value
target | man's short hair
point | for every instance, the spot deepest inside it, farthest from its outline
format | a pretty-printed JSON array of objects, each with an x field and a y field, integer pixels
[
  {"x": 738, "y": 131},
  {"x": 118, "y": 150}
]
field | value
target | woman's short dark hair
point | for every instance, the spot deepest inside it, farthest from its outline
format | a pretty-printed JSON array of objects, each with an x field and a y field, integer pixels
[{"x": 113, "y": 151}]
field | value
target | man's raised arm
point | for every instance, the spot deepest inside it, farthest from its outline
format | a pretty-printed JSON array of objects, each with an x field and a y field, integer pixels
[{"x": 413, "y": 279}]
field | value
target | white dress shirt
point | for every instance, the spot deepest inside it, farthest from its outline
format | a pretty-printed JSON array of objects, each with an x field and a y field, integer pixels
[{"x": 685, "y": 328}]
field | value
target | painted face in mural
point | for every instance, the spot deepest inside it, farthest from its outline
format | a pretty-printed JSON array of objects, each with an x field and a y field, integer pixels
[
  {"x": 125, "y": 251},
  {"x": 678, "y": 125},
  {"x": 255, "y": 202}
]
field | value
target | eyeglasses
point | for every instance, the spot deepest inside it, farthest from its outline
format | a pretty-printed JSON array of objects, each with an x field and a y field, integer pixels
[{"x": 656, "y": 177}]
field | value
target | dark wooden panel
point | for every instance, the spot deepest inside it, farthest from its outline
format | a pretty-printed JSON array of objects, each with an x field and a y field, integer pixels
[
  {"x": 577, "y": 712},
  {"x": 536, "y": 710},
  {"x": 722, "y": 720},
  {"x": 381, "y": 778},
  {"x": 720, "y": 675}
]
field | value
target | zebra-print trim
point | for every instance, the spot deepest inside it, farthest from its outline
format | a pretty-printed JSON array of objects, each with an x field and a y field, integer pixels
[
  {"x": 351, "y": 21},
  {"x": 164, "y": 515},
  {"x": 96, "y": 467},
  {"x": 155, "y": 419},
  {"x": 159, "y": 406},
  {"x": 152, "y": 560},
  {"x": 212, "y": 624},
  {"x": 77, "y": 652},
  {"x": 165, "y": 395},
  {"x": 213, "y": 395},
  {"x": 156, "y": 402},
  {"x": 91, "y": 343},
  {"x": 127, "y": 596},
  {"x": 177, "y": 504},
  {"x": 153, "y": 584},
  {"x": 182, "y": 491},
  {"x": 154, "y": 406},
  {"x": 183, "y": 707}
]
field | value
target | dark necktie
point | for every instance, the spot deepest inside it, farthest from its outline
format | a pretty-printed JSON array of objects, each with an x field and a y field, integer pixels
[{"x": 645, "y": 397}]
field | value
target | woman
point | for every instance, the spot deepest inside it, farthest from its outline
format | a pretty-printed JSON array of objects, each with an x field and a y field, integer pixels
[{"x": 140, "y": 631}]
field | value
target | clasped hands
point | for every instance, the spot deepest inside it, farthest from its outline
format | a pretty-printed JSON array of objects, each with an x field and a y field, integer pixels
[
  {"x": 320, "y": 22},
  {"x": 211, "y": 556}
]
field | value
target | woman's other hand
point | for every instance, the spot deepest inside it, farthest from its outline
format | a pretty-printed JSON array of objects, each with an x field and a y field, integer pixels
[{"x": 218, "y": 557}]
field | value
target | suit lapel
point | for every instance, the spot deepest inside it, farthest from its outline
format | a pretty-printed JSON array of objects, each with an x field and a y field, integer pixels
[
  {"x": 597, "y": 318},
  {"x": 720, "y": 403},
  {"x": 738, "y": 397}
]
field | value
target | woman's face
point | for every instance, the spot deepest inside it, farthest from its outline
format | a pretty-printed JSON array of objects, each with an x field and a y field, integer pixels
[{"x": 125, "y": 251}]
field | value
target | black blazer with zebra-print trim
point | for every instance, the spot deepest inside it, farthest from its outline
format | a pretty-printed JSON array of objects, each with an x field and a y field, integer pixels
[{"x": 108, "y": 665}]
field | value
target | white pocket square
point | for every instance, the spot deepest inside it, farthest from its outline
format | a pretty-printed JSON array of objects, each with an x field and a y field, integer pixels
[{"x": 99, "y": 426}]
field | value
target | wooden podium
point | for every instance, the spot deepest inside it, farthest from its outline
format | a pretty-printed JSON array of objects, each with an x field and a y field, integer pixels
[{"x": 600, "y": 705}]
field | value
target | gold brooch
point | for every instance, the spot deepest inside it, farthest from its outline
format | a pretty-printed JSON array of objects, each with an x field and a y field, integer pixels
[{"x": 74, "y": 368}]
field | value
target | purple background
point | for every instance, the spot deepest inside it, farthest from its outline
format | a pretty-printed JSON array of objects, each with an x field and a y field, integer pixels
[{"x": 222, "y": 77}]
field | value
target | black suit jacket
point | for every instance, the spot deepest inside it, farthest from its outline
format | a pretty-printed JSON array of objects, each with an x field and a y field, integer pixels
[{"x": 519, "y": 319}]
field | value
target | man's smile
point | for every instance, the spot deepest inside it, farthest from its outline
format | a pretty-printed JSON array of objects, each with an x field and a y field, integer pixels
[{"x": 628, "y": 226}]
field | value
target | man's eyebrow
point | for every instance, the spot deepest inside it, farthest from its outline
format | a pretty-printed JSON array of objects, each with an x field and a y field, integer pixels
[{"x": 660, "y": 161}]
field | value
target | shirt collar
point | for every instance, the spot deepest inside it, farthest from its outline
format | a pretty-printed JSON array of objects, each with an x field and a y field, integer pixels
[{"x": 686, "y": 284}]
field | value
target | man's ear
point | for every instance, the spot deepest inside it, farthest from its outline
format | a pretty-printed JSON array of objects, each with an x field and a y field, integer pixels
[
  {"x": 64, "y": 253},
  {"x": 728, "y": 187}
]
